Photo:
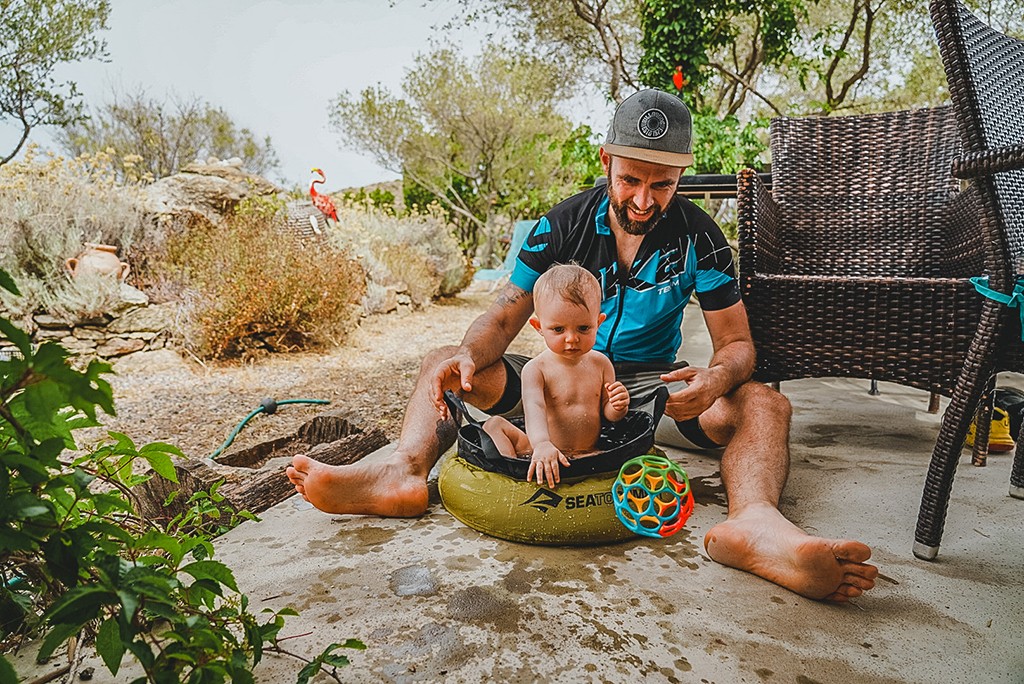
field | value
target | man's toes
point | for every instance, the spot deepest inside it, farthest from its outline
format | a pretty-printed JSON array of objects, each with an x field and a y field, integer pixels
[
  {"x": 859, "y": 581},
  {"x": 852, "y": 551}
]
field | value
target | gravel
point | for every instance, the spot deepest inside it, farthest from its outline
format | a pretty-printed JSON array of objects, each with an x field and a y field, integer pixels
[{"x": 162, "y": 396}]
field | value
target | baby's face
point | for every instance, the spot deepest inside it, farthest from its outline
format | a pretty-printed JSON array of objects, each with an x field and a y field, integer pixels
[{"x": 568, "y": 329}]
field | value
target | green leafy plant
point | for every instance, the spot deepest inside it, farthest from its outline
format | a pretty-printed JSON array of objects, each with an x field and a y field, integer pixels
[{"x": 75, "y": 559}]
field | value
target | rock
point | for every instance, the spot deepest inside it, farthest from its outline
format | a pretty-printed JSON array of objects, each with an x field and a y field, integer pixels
[
  {"x": 73, "y": 344},
  {"x": 48, "y": 321},
  {"x": 130, "y": 297},
  {"x": 145, "y": 336},
  {"x": 85, "y": 333},
  {"x": 154, "y": 318},
  {"x": 119, "y": 346},
  {"x": 211, "y": 190},
  {"x": 156, "y": 361},
  {"x": 52, "y": 333}
]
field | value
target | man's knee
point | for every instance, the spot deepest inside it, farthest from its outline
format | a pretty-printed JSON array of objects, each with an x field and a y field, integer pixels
[
  {"x": 434, "y": 358},
  {"x": 756, "y": 399}
]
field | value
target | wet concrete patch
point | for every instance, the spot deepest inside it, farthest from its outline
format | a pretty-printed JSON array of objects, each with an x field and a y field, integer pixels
[
  {"x": 708, "y": 490},
  {"x": 485, "y": 604},
  {"x": 413, "y": 580}
]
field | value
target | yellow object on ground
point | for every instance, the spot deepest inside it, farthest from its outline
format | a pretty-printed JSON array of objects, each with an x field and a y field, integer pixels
[
  {"x": 999, "y": 438},
  {"x": 578, "y": 512}
]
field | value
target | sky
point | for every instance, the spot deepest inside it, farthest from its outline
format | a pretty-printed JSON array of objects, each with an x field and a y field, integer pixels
[{"x": 272, "y": 65}]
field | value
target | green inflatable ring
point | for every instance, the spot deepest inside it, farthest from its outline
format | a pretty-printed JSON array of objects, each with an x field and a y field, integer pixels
[{"x": 579, "y": 512}]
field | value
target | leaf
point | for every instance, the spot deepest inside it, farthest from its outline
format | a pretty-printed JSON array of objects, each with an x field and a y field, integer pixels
[
  {"x": 161, "y": 463},
  {"x": 212, "y": 570},
  {"x": 7, "y": 673},
  {"x": 79, "y": 605},
  {"x": 7, "y": 282},
  {"x": 109, "y": 645},
  {"x": 57, "y": 636}
]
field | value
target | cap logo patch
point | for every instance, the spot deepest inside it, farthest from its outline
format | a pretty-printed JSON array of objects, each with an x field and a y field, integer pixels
[{"x": 652, "y": 124}]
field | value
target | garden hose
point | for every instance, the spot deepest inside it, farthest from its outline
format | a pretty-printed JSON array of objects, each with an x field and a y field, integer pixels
[{"x": 268, "y": 406}]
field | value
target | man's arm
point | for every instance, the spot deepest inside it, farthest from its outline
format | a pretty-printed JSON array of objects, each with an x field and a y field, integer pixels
[
  {"x": 731, "y": 365},
  {"x": 484, "y": 343}
]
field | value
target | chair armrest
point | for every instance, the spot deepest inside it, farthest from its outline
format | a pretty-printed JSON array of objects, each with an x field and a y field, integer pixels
[
  {"x": 759, "y": 225},
  {"x": 987, "y": 162}
]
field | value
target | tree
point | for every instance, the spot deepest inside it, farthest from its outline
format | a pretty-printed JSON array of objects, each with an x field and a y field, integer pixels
[
  {"x": 600, "y": 38},
  {"x": 166, "y": 135},
  {"x": 35, "y": 37},
  {"x": 482, "y": 138}
]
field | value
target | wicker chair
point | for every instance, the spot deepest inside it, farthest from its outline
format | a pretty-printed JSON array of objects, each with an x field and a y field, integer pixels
[
  {"x": 985, "y": 70},
  {"x": 857, "y": 263}
]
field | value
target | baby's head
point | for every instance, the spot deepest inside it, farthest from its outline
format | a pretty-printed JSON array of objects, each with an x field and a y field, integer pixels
[{"x": 567, "y": 299}]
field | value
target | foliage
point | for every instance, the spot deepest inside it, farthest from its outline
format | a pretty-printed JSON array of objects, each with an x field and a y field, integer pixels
[
  {"x": 36, "y": 37},
  {"x": 417, "y": 251},
  {"x": 482, "y": 138},
  {"x": 251, "y": 285},
  {"x": 724, "y": 144},
  {"x": 599, "y": 38},
  {"x": 165, "y": 136},
  {"x": 688, "y": 33},
  {"x": 75, "y": 558},
  {"x": 80, "y": 555},
  {"x": 48, "y": 209}
]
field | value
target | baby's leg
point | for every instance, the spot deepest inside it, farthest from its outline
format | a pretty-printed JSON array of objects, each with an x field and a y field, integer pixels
[{"x": 510, "y": 440}]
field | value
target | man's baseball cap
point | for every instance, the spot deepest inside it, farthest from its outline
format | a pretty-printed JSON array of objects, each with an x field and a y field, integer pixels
[{"x": 651, "y": 126}]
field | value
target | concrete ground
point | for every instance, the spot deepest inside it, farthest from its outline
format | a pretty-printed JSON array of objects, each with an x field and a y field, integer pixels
[{"x": 435, "y": 601}]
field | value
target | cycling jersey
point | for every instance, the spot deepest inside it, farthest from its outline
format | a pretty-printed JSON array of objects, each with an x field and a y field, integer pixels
[{"x": 686, "y": 252}]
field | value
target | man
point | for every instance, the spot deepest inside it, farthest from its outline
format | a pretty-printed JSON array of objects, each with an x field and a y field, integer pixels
[{"x": 649, "y": 250}]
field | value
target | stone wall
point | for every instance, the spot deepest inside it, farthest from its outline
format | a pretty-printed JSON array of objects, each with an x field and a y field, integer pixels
[{"x": 139, "y": 327}]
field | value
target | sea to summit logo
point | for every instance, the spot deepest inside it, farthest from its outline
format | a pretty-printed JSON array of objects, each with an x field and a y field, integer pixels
[
  {"x": 543, "y": 500},
  {"x": 652, "y": 124}
]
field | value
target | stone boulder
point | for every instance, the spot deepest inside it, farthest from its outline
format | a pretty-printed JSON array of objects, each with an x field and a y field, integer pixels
[{"x": 210, "y": 189}]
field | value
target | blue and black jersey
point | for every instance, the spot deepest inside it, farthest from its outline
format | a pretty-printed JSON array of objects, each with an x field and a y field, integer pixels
[{"x": 685, "y": 252}]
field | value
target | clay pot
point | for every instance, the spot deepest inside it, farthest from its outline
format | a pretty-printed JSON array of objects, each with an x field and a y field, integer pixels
[{"x": 98, "y": 260}]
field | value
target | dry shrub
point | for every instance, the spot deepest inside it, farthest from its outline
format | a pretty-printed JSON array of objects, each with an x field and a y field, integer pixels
[
  {"x": 253, "y": 286},
  {"x": 416, "y": 250},
  {"x": 49, "y": 207}
]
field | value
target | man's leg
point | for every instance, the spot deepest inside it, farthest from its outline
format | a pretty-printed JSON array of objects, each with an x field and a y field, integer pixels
[
  {"x": 395, "y": 485},
  {"x": 753, "y": 421}
]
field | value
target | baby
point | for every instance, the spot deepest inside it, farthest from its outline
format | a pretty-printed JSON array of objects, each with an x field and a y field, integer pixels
[{"x": 568, "y": 387}]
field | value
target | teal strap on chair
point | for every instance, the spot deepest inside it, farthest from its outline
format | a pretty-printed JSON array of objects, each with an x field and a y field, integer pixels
[{"x": 1013, "y": 300}]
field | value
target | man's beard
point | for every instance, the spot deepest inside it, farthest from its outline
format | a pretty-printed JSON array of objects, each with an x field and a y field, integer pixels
[{"x": 631, "y": 226}]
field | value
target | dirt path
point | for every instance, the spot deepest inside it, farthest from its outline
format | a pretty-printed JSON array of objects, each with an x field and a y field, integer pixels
[{"x": 161, "y": 396}]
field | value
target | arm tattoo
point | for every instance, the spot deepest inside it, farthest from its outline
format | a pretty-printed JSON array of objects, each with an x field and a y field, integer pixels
[{"x": 511, "y": 295}]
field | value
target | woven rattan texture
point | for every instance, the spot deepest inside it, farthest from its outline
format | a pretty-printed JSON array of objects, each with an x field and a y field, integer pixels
[
  {"x": 985, "y": 71},
  {"x": 856, "y": 265}
]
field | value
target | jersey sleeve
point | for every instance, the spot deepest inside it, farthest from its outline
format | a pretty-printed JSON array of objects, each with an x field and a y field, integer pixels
[
  {"x": 539, "y": 252},
  {"x": 716, "y": 284}
]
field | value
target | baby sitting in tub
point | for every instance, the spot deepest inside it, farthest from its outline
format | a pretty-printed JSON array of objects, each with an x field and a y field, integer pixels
[{"x": 568, "y": 387}]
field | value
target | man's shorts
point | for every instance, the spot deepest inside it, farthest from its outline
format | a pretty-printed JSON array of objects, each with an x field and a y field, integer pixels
[{"x": 641, "y": 379}]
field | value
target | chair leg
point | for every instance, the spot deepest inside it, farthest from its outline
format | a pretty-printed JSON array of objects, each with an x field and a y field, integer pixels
[
  {"x": 978, "y": 369},
  {"x": 1017, "y": 473},
  {"x": 873, "y": 391},
  {"x": 933, "y": 403},
  {"x": 777, "y": 386},
  {"x": 983, "y": 424}
]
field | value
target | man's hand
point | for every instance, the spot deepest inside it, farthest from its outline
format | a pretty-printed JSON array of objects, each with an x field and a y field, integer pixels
[
  {"x": 545, "y": 462},
  {"x": 618, "y": 400},
  {"x": 704, "y": 387},
  {"x": 454, "y": 373}
]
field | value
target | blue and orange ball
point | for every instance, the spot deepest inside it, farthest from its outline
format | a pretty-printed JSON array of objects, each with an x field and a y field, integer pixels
[{"x": 652, "y": 496}]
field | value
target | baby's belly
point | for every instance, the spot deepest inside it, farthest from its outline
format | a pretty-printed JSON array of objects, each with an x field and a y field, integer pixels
[{"x": 574, "y": 431}]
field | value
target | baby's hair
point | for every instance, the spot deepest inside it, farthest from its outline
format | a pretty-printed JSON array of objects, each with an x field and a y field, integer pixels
[{"x": 571, "y": 282}]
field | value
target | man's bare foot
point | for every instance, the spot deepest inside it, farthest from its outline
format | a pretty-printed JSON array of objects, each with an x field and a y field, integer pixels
[
  {"x": 762, "y": 541},
  {"x": 368, "y": 487}
]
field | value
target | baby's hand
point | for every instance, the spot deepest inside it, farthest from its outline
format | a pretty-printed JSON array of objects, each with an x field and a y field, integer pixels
[
  {"x": 545, "y": 463},
  {"x": 618, "y": 396}
]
